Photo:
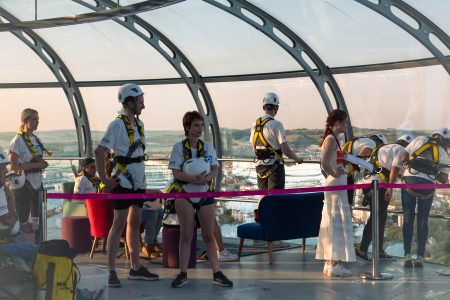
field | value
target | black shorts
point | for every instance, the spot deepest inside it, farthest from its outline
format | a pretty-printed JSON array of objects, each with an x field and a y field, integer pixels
[
  {"x": 203, "y": 202},
  {"x": 120, "y": 204},
  {"x": 275, "y": 181}
]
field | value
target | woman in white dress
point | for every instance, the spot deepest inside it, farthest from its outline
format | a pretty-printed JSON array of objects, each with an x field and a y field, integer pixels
[{"x": 335, "y": 242}]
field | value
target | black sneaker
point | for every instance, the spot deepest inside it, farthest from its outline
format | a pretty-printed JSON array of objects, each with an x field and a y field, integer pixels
[
  {"x": 113, "y": 280},
  {"x": 142, "y": 274},
  {"x": 221, "y": 280},
  {"x": 362, "y": 255},
  {"x": 180, "y": 280}
]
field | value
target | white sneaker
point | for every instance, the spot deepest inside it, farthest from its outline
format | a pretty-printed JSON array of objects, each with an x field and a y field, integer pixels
[
  {"x": 226, "y": 255},
  {"x": 338, "y": 271}
]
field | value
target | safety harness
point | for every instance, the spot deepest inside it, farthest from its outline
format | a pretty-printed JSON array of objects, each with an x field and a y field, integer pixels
[
  {"x": 33, "y": 150},
  {"x": 121, "y": 162},
  {"x": 259, "y": 141},
  {"x": 268, "y": 151},
  {"x": 177, "y": 185},
  {"x": 348, "y": 149},
  {"x": 419, "y": 162},
  {"x": 378, "y": 169}
]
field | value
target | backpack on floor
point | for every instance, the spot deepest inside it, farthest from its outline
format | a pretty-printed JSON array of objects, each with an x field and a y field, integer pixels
[{"x": 55, "y": 272}]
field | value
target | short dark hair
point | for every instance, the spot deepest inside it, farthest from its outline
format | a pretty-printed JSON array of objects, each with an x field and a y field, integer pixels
[
  {"x": 189, "y": 118},
  {"x": 269, "y": 106},
  {"x": 128, "y": 99}
]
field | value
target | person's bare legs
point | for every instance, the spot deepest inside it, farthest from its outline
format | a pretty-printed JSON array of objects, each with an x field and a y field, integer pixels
[
  {"x": 218, "y": 236},
  {"x": 206, "y": 216},
  {"x": 132, "y": 234},
  {"x": 185, "y": 213},
  {"x": 119, "y": 221}
]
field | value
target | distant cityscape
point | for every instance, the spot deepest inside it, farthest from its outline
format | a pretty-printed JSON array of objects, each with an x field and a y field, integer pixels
[{"x": 241, "y": 176}]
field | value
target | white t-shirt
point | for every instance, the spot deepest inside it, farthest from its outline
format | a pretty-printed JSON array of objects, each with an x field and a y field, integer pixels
[
  {"x": 275, "y": 135},
  {"x": 177, "y": 160},
  {"x": 83, "y": 185},
  {"x": 19, "y": 147},
  {"x": 4, "y": 210},
  {"x": 414, "y": 146},
  {"x": 390, "y": 156},
  {"x": 116, "y": 139}
]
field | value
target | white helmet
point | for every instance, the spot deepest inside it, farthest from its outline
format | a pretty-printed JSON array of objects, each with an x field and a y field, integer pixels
[
  {"x": 444, "y": 132},
  {"x": 197, "y": 166},
  {"x": 4, "y": 159},
  {"x": 129, "y": 89},
  {"x": 406, "y": 138},
  {"x": 272, "y": 99},
  {"x": 17, "y": 181},
  {"x": 380, "y": 137}
]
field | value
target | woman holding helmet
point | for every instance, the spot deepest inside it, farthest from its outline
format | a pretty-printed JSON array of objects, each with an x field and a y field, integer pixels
[{"x": 190, "y": 156}]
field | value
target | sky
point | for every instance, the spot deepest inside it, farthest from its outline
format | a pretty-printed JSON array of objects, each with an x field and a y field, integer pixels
[{"x": 410, "y": 99}]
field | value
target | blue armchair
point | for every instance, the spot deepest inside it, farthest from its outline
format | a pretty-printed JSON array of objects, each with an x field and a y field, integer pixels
[{"x": 284, "y": 217}]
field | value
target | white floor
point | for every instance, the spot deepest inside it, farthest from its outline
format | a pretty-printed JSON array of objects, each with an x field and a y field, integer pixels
[{"x": 293, "y": 275}]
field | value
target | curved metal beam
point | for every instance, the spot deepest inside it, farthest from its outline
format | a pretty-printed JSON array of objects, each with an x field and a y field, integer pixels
[
  {"x": 181, "y": 64},
  {"x": 103, "y": 15},
  {"x": 234, "y": 78},
  {"x": 287, "y": 39},
  {"x": 65, "y": 79},
  {"x": 422, "y": 34}
]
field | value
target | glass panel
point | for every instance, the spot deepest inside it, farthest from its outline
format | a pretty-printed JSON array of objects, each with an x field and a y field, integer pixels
[
  {"x": 346, "y": 33},
  {"x": 409, "y": 99},
  {"x": 18, "y": 63},
  {"x": 165, "y": 107},
  {"x": 300, "y": 107},
  {"x": 216, "y": 42},
  {"x": 106, "y": 51},
  {"x": 435, "y": 10},
  {"x": 46, "y": 9},
  {"x": 54, "y": 114}
]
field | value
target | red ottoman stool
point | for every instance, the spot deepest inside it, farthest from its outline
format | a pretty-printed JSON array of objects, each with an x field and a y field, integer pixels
[
  {"x": 171, "y": 254},
  {"x": 76, "y": 231}
]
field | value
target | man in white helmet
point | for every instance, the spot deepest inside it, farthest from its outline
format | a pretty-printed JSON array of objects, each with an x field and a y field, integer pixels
[
  {"x": 387, "y": 160},
  {"x": 426, "y": 161},
  {"x": 269, "y": 142},
  {"x": 379, "y": 139},
  {"x": 125, "y": 138},
  {"x": 361, "y": 147}
]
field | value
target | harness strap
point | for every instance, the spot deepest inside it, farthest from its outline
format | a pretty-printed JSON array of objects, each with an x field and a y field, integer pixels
[
  {"x": 122, "y": 161},
  {"x": 177, "y": 185},
  {"x": 125, "y": 160},
  {"x": 270, "y": 171},
  {"x": 187, "y": 152},
  {"x": 30, "y": 145},
  {"x": 384, "y": 173},
  {"x": 418, "y": 195},
  {"x": 258, "y": 139},
  {"x": 435, "y": 148},
  {"x": 431, "y": 143},
  {"x": 130, "y": 131}
]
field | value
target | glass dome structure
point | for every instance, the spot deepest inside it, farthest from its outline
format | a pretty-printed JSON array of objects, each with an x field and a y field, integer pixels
[{"x": 387, "y": 62}]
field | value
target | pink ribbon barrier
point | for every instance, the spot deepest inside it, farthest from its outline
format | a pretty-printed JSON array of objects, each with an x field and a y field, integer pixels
[{"x": 239, "y": 193}]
